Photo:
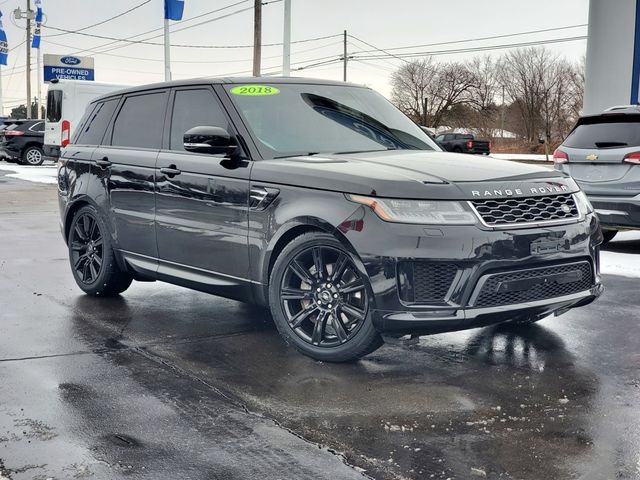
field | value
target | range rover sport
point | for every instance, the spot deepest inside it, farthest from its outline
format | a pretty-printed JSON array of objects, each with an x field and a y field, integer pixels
[{"x": 324, "y": 202}]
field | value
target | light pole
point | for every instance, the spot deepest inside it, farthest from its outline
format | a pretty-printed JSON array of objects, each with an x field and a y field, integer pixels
[
  {"x": 286, "y": 40},
  {"x": 28, "y": 15}
]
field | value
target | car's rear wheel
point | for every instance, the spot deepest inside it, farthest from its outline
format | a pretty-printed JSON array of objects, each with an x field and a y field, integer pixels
[
  {"x": 321, "y": 300},
  {"x": 608, "y": 235},
  {"x": 93, "y": 262},
  {"x": 33, "y": 156}
]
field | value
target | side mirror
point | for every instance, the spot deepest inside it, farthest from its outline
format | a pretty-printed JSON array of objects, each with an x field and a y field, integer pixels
[{"x": 209, "y": 140}]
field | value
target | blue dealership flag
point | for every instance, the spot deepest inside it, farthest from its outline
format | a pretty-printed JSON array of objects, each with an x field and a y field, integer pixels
[
  {"x": 36, "y": 34},
  {"x": 38, "y": 11},
  {"x": 173, "y": 9},
  {"x": 4, "y": 46}
]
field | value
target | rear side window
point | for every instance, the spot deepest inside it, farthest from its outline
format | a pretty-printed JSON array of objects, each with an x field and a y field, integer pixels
[
  {"x": 96, "y": 124},
  {"x": 194, "y": 108},
  {"x": 140, "y": 121},
  {"x": 54, "y": 105},
  {"x": 605, "y": 132},
  {"x": 38, "y": 127}
]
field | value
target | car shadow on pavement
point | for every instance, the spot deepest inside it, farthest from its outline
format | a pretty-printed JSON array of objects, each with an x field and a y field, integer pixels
[{"x": 495, "y": 391}]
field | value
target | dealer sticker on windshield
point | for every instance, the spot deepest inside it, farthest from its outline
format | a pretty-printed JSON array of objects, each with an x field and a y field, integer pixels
[{"x": 254, "y": 90}]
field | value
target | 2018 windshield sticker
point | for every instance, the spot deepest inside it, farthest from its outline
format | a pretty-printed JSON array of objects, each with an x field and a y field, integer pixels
[{"x": 254, "y": 90}]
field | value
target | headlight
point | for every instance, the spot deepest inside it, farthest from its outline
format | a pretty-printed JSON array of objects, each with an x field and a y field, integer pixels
[
  {"x": 583, "y": 202},
  {"x": 426, "y": 212}
]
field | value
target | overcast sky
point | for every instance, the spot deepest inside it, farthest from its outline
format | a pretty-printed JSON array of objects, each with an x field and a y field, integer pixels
[{"x": 384, "y": 24}]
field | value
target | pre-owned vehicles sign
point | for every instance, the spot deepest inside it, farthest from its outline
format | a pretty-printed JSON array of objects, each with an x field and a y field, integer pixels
[{"x": 68, "y": 67}]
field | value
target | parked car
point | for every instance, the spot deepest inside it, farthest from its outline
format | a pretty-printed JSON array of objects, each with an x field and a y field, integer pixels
[
  {"x": 66, "y": 102},
  {"x": 463, "y": 143},
  {"x": 22, "y": 141},
  {"x": 324, "y": 202},
  {"x": 602, "y": 153},
  {"x": 4, "y": 123}
]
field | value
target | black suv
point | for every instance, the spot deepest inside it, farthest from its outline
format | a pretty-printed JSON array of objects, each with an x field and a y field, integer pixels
[
  {"x": 22, "y": 141},
  {"x": 324, "y": 202}
]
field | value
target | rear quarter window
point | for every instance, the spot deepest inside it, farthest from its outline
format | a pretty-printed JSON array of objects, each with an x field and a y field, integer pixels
[
  {"x": 94, "y": 126},
  {"x": 606, "y": 132}
]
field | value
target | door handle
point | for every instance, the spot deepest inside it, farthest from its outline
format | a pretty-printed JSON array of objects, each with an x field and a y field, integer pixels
[
  {"x": 170, "y": 171},
  {"x": 103, "y": 162}
]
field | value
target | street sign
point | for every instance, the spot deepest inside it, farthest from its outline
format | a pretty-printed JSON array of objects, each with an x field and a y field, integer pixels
[{"x": 68, "y": 67}]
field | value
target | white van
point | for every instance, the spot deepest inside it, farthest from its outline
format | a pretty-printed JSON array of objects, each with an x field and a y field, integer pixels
[{"x": 66, "y": 102}]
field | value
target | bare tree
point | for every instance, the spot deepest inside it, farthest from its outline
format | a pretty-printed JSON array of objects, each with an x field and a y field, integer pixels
[
  {"x": 425, "y": 90},
  {"x": 410, "y": 86},
  {"x": 544, "y": 93}
]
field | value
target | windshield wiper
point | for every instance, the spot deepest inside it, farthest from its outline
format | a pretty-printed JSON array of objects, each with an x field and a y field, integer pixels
[
  {"x": 309, "y": 154},
  {"x": 610, "y": 144}
]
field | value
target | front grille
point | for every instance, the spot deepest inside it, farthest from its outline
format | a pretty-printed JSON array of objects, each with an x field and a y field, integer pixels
[
  {"x": 425, "y": 282},
  {"x": 514, "y": 211},
  {"x": 545, "y": 283}
]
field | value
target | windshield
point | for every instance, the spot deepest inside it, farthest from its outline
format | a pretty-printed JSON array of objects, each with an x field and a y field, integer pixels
[{"x": 297, "y": 119}]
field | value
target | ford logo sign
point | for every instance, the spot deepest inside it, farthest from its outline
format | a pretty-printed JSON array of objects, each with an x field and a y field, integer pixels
[{"x": 70, "y": 60}]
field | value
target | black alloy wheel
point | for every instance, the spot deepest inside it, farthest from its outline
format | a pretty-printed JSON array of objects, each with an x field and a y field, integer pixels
[
  {"x": 320, "y": 300},
  {"x": 323, "y": 296},
  {"x": 91, "y": 256},
  {"x": 87, "y": 247}
]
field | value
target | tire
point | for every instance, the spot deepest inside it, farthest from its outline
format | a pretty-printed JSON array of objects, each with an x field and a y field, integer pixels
[
  {"x": 91, "y": 256},
  {"x": 608, "y": 235},
  {"x": 326, "y": 316},
  {"x": 33, "y": 156}
]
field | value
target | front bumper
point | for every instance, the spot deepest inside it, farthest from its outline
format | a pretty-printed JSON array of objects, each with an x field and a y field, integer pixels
[
  {"x": 617, "y": 212},
  {"x": 477, "y": 253}
]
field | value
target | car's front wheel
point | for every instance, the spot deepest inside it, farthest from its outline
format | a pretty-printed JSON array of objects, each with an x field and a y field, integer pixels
[
  {"x": 93, "y": 262},
  {"x": 33, "y": 156},
  {"x": 320, "y": 300}
]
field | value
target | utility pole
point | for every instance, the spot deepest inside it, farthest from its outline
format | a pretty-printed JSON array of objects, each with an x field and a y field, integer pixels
[
  {"x": 502, "y": 116},
  {"x": 257, "y": 37},
  {"x": 286, "y": 40},
  {"x": 344, "y": 68},
  {"x": 28, "y": 45}
]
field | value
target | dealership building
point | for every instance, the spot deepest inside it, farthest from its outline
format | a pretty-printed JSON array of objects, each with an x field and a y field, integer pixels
[{"x": 613, "y": 55}]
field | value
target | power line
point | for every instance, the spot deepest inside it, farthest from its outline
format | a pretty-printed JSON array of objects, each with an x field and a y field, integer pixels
[
  {"x": 376, "y": 48},
  {"x": 122, "y": 14},
  {"x": 231, "y": 5},
  {"x": 146, "y": 41},
  {"x": 478, "y": 39},
  {"x": 475, "y": 49}
]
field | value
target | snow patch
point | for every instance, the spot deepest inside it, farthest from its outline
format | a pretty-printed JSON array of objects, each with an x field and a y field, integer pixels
[
  {"x": 622, "y": 264},
  {"x": 522, "y": 156},
  {"x": 42, "y": 174}
]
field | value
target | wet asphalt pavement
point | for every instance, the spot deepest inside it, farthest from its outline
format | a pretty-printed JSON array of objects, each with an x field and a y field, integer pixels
[{"x": 166, "y": 383}]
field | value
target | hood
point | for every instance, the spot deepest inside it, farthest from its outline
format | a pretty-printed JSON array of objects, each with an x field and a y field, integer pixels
[{"x": 410, "y": 174}]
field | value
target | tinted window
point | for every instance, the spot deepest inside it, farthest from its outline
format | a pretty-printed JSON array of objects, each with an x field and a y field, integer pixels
[
  {"x": 38, "y": 127},
  {"x": 96, "y": 124},
  {"x": 194, "y": 108},
  {"x": 448, "y": 137},
  {"x": 140, "y": 122},
  {"x": 440, "y": 138},
  {"x": 54, "y": 105},
  {"x": 605, "y": 132}
]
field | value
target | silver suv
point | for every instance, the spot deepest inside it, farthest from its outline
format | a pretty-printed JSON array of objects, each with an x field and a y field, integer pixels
[{"x": 602, "y": 153}]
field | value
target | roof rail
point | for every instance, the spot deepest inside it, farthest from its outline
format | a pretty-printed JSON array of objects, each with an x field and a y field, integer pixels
[{"x": 621, "y": 107}]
